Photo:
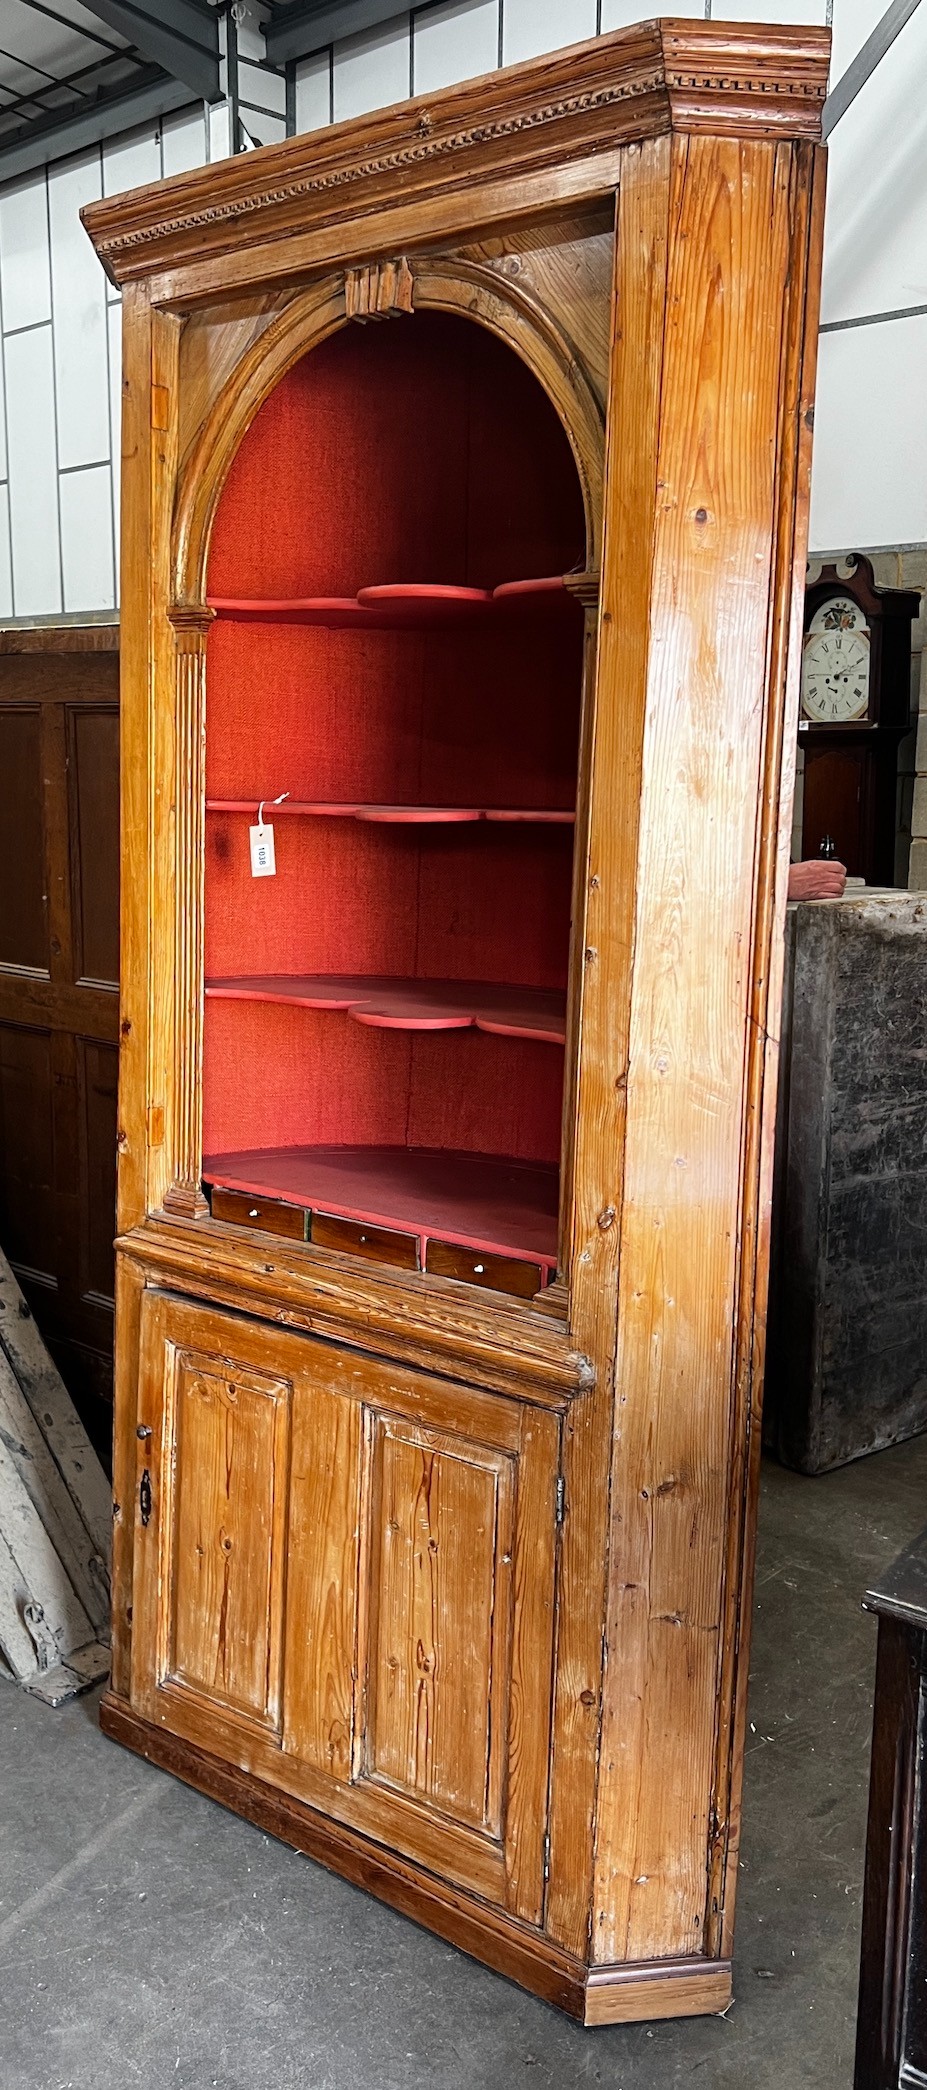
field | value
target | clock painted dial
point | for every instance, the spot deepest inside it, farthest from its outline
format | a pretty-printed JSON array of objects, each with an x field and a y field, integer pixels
[
  {"x": 838, "y": 613},
  {"x": 835, "y": 676}
]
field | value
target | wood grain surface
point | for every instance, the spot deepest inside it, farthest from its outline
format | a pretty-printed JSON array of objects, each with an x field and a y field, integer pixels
[
  {"x": 489, "y": 1566},
  {"x": 690, "y": 997},
  {"x": 446, "y": 154}
]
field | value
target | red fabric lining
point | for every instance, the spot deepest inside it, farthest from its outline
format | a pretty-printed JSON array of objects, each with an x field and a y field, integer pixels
[
  {"x": 275, "y": 1076},
  {"x": 419, "y": 452},
  {"x": 478, "y": 902},
  {"x": 488, "y": 717},
  {"x": 409, "y": 452}
]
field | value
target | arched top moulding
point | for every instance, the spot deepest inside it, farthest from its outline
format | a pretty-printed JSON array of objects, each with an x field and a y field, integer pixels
[
  {"x": 447, "y": 285},
  {"x": 547, "y": 134}
]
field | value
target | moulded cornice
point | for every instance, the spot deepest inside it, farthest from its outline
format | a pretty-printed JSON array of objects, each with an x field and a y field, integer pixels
[{"x": 577, "y": 105}]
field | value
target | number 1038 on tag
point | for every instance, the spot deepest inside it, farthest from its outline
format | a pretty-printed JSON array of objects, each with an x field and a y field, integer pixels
[{"x": 263, "y": 860}]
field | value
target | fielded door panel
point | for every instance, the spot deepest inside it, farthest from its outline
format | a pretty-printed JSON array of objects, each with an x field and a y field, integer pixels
[
  {"x": 344, "y": 1584},
  {"x": 59, "y": 995}
]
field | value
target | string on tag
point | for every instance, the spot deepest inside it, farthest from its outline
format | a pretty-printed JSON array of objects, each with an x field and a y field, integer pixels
[
  {"x": 263, "y": 858},
  {"x": 272, "y": 802}
]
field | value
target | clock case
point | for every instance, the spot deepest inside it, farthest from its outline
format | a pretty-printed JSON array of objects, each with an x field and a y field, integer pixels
[
  {"x": 851, "y": 769},
  {"x": 450, "y": 1587}
]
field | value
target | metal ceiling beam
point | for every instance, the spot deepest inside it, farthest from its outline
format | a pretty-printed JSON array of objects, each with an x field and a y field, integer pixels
[
  {"x": 182, "y": 36},
  {"x": 62, "y": 132},
  {"x": 864, "y": 64},
  {"x": 73, "y": 83},
  {"x": 308, "y": 27},
  {"x": 54, "y": 14}
]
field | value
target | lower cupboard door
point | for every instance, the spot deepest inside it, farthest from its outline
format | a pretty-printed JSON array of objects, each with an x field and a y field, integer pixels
[{"x": 344, "y": 1586}]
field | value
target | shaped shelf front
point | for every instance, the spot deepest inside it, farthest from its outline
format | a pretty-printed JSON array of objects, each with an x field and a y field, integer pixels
[
  {"x": 395, "y": 816},
  {"x": 401, "y": 605},
  {"x": 421, "y": 1005},
  {"x": 485, "y": 1202}
]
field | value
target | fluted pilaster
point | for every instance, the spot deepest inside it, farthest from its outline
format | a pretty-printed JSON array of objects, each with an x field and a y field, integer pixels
[{"x": 185, "y": 1192}]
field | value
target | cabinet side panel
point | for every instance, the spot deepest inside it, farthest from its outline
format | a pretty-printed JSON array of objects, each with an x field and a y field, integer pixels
[
  {"x": 604, "y": 932},
  {"x": 773, "y": 850},
  {"x": 691, "y": 993}
]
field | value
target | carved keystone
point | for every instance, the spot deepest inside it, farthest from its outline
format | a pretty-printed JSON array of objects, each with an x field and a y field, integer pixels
[{"x": 380, "y": 291}]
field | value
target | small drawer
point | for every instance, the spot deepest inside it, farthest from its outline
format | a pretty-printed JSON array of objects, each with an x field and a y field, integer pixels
[
  {"x": 354, "y": 1237},
  {"x": 499, "y": 1273},
  {"x": 266, "y": 1213}
]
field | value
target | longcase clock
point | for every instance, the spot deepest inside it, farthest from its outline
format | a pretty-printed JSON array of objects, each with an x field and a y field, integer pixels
[{"x": 854, "y": 711}]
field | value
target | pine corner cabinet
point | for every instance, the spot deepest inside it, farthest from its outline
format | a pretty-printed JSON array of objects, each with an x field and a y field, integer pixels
[{"x": 465, "y": 476}]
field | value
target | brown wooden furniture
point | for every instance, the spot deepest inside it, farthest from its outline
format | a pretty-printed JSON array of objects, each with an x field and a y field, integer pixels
[
  {"x": 446, "y": 1584},
  {"x": 891, "y": 2034},
  {"x": 850, "y": 785},
  {"x": 59, "y": 1015}
]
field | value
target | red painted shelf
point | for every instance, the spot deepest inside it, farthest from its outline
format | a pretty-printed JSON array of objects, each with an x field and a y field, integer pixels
[
  {"x": 400, "y": 605},
  {"x": 391, "y": 1004},
  {"x": 395, "y": 816},
  {"x": 482, "y": 1201}
]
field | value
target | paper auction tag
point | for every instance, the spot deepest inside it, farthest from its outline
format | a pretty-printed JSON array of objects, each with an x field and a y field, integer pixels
[{"x": 263, "y": 860}]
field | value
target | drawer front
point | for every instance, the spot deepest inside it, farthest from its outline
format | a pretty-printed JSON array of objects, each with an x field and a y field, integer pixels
[
  {"x": 379, "y": 1244},
  {"x": 376, "y": 1243},
  {"x": 498, "y": 1273},
  {"x": 268, "y": 1214}
]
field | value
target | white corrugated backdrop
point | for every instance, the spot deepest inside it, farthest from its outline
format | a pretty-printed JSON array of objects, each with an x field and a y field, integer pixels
[{"x": 59, "y": 322}]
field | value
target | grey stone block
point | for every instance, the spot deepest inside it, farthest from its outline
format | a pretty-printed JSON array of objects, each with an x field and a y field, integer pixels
[{"x": 847, "y": 1349}]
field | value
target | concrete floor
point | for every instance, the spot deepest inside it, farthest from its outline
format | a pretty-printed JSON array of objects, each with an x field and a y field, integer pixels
[{"x": 149, "y": 1938}]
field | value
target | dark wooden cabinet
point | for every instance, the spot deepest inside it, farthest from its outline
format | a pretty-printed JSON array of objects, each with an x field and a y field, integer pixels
[
  {"x": 891, "y": 2041},
  {"x": 445, "y": 1147},
  {"x": 850, "y": 786},
  {"x": 59, "y": 969}
]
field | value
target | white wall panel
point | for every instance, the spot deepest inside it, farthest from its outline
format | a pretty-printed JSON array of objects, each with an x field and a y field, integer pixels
[
  {"x": 25, "y": 284},
  {"x": 454, "y": 42},
  {"x": 853, "y": 21},
  {"x": 30, "y": 391},
  {"x": 220, "y": 134},
  {"x": 115, "y": 410},
  {"x": 133, "y": 160},
  {"x": 259, "y": 127},
  {"x": 6, "y": 568},
  {"x": 875, "y": 237},
  {"x": 183, "y": 141},
  {"x": 371, "y": 71},
  {"x": 250, "y": 37},
  {"x": 532, "y": 26},
  {"x": 4, "y": 473},
  {"x": 78, "y": 316},
  {"x": 87, "y": 539},
  {"x": 804, "y": 13},
  {"x": 261, "y": 88},
  {"x": 314, "y": 92},
  {"x": 869, "y": 476},
  {"x": 622, "y": 14}
]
